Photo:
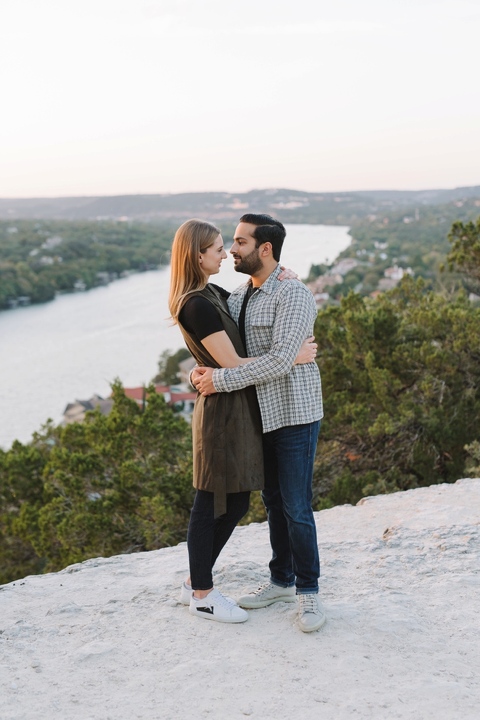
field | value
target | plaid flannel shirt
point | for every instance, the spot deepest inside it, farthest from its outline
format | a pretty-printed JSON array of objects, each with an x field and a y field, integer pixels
[{"x": 279, "y": 317}]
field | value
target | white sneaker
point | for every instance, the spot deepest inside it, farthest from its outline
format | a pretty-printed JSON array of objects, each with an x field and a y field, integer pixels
[
  {"x": 186, "y": 592},
  {"x": 216, "y": 606},
  {"x": 311, "y": 615},
  {"x": 267, "y": 594}
]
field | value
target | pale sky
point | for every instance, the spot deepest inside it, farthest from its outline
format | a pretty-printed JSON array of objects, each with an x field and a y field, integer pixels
[{"x": 105, "y": 97}]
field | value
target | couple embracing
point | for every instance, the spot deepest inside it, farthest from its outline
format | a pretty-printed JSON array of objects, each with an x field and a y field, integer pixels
[{"x": 257, "y": 416}]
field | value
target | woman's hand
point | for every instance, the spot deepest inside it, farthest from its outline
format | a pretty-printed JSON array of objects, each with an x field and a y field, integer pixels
[
  {"x": 308, "y": 352},
  {"x": 287, "y": 274},
  {"x": 205, "y": 384}
]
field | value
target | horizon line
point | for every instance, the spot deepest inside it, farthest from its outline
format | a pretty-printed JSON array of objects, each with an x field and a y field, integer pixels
[{"x": 235, "y": 192}]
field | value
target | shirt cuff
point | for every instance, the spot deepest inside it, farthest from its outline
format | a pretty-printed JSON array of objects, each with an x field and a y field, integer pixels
[
  {"x": 218, "y": 380},
  {"x": 190, "y": 376}
]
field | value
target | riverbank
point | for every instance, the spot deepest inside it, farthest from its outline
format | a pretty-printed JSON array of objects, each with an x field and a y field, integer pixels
[
  {"x": 40, "y": 258},
  {"x": 75, "y": 346}
]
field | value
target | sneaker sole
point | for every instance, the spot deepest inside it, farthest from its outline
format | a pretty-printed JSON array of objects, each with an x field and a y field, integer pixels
[
  {"x": 217, "y": 619},
  {"x": 319, "y": 625},
  {"x": 252, "y": 605}
]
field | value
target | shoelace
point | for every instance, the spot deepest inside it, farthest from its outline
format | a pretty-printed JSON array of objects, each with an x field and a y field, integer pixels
[
  {"x": 308, "y": 603},
  {"x": 224, "y": 601},
  {"x": 220, "y": 598},
  {"x": 263, "y": 588}
]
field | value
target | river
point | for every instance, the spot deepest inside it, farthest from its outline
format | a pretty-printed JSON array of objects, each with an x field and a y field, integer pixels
[{"x": 76, "y": 345}]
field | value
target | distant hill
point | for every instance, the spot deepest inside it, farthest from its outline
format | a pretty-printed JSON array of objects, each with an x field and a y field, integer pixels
[{"x": 292, "y": 206}]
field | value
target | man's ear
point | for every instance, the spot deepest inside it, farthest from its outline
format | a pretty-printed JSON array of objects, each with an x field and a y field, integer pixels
[{"x": 266, "y": 249}]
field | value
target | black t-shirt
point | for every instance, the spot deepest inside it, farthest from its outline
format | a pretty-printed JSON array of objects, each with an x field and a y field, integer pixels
[
  {"x": 200, "y": 317},
  {"x": 243, "y": 312}
]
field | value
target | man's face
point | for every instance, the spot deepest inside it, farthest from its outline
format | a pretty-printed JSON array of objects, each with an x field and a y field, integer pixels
[{"x": 246, "y": 256}]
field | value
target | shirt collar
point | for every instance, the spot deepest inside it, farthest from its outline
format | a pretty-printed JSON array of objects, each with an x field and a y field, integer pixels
[
  {"x": 270, "y": 283},
  {"x": 268, "y": 286}
]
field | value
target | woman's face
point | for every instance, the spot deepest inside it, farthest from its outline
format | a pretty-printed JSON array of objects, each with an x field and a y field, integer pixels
[{"x": 211, "y": 259}]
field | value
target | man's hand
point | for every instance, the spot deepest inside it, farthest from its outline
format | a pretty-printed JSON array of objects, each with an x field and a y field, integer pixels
[{"x": 205, "y": 384}]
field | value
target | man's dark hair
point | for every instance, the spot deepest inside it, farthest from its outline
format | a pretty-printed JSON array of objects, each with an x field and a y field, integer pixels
[{"x": 268, "y": 230}]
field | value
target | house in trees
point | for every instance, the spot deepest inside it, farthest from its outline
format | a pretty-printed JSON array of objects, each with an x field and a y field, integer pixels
[
  {"x": 76, "y": 411},
  {"x": 176, "y": 397}
]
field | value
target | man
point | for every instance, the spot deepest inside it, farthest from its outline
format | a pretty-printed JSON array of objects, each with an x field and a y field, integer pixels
[{"x": 274, "y": 319}]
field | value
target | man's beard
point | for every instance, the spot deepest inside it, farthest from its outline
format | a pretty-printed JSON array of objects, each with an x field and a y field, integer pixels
[{"x": 249, "y": 264}]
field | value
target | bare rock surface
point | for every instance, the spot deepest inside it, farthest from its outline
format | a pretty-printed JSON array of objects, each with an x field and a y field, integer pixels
[{"x": 107, "y": 639}]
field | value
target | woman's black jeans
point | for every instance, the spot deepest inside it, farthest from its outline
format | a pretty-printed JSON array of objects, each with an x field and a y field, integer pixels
[{"x": 207, "y": 535}]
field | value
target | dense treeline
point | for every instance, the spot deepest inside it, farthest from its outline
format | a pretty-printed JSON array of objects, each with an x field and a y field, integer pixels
[
  {"x": 290, "y": 206},
  {"x": 465, "y": 253},
  {"x": 401, "y": 378},
  {"x": 40, "y": 258},
  {"x": 402, "y": 385},
  {"x": 112, "y": 484},
  {"x": 402, "y": 392},
  {"x": 414, "y": 238}
]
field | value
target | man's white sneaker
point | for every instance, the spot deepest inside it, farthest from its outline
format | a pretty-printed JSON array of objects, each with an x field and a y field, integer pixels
[
  {"x": 311, "y": 615},
  {"x": 216, "y": 606},
  {"x": 267, "y": 594}
]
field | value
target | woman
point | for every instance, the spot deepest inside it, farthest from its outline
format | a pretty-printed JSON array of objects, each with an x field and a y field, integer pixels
[{"x": 226, "y": 427}]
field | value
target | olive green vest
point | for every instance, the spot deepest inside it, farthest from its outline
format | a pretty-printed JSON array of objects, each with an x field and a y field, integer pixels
[{"x": 226, "y": 427}]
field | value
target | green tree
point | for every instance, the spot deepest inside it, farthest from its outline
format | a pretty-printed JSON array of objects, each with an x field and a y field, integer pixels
[
  {"x": 42, "y": 257},
  {"x": 168, "y": 366},
  {"x": 473, "y": 461},
  {"x": 464, "y": 257},
  {"x": 316, "y": 270},
  {"x": 401, "y": 376},
  {"x": 112, "y": 484}
]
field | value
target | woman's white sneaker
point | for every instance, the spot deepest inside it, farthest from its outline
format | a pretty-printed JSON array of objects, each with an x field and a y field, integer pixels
[
  {"x": 216, "y": 606},
  {"x": 267, "y": 594},
  {"x": 311, "y": 615},
  {"x": 186, "y": 593}
]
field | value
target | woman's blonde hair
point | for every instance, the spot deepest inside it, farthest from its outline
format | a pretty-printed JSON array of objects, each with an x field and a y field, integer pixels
[{"x": 186, "y": 275}]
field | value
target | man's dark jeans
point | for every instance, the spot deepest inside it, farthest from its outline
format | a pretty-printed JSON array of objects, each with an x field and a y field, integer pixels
[{"x": 289, "y": 453}]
